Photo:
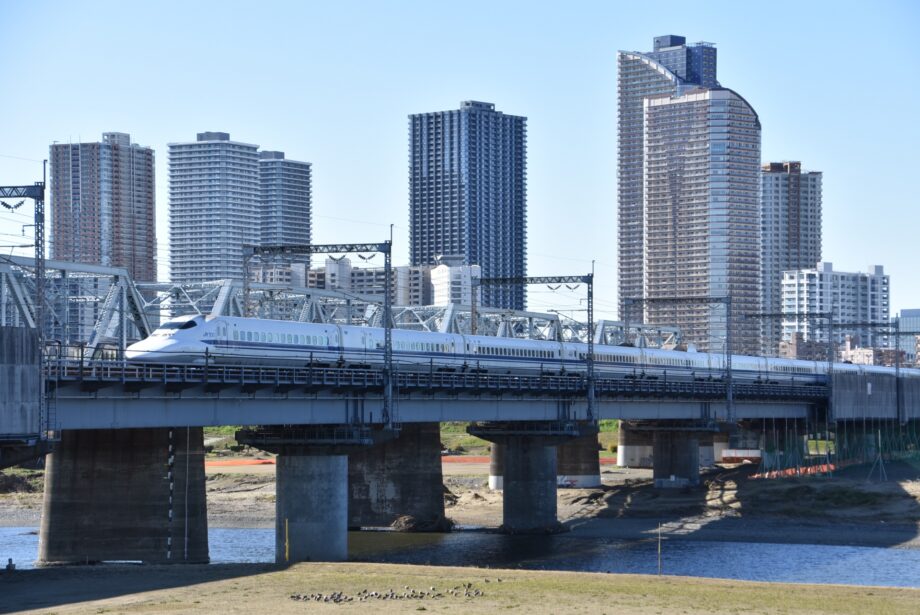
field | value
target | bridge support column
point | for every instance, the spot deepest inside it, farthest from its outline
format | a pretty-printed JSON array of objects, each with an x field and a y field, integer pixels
[
  {"x": 528, "y": 453},
  {"x": 127, "y": 495},
  {"x": 397, "y": 478},
  {"x": 529, "y": 503},
  {"x": 311, "y": 486},
  {"x": 497, "y": 467},
  {"x": 719, "y": 444},
  {"x": 578, "y": 464},
  {"x": 634, "y": 448},
  {"x": 311, "y": 508},
  {"x": 677, "y": 458},
  {"x": 707, "y": 450}
]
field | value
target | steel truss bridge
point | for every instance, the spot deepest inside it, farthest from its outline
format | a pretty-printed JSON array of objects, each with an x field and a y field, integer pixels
[{"x": 103, "y": 309}]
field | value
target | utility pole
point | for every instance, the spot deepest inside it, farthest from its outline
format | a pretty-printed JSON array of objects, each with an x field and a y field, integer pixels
[{"x": 36, "y": 192}]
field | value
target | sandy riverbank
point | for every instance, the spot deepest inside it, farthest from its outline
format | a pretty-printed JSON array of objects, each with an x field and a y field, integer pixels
[
  {"x": 730, "y": 506},
  {"x": 248, "y": 589}
]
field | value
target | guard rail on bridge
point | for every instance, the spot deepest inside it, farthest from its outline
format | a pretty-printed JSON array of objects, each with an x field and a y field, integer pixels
[{"x": 94, "y": 375}]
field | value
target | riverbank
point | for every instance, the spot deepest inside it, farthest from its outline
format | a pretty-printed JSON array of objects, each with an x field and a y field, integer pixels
[
  {"x": 729, "y": 506},
  {"x": 250, "y": 589}
]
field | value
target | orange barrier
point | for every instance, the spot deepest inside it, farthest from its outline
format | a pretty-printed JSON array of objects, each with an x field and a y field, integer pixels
[
  {"x": 824, "y": 468},
  {"x": 444, "y": 459},
  {"x": 464, "y": 459}
]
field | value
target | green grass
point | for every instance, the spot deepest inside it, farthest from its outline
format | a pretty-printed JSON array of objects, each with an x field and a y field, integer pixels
[
  {"x": 454, "y": 437},
  {"x": 821, "y": 447},
  {"x": 21, "y": 480},
  {"x": 609, "y": 425},
  {"x": 223, "y": 431}
]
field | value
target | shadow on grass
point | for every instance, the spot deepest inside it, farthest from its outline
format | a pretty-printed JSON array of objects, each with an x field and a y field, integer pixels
[{"x": 46, "y": 588}]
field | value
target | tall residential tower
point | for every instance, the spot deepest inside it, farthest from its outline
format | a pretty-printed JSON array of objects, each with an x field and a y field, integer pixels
[
  {"x": 103, "y": 204},
  {"x": 791, "y": 235},
  {"x": 689, "y": 196},
  {"x": 285, "y": 210},
  {"x": 665, "y": 70},
  {"x": 702, "y": 215},
  {"x": 467, "y": 193},
  {"x": 214, "y": 195}
]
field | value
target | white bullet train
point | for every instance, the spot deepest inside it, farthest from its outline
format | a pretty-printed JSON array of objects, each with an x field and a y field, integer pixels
[{"x": 224, "y": 340}]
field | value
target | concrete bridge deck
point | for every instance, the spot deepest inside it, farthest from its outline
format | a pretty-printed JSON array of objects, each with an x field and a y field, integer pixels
[{"x": 112, "y": 394}]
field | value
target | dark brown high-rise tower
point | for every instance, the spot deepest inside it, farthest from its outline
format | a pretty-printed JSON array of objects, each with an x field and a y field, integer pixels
[{"x": 103, "y": 204}]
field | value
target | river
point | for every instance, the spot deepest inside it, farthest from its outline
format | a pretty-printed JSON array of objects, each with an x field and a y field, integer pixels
[{"x": 797, "y": 563}]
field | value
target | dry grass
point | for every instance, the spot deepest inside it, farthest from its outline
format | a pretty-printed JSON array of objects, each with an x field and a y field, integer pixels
[{"x": 263, "y": 589}]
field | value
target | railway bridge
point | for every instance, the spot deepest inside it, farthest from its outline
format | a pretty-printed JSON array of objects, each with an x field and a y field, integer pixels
[{"x": 126, "y": 478}]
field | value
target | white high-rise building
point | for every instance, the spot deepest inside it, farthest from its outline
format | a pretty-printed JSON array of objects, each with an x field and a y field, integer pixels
[
  {"x": 214, "y": 197},
  {"x": 701, "y": 216},
  {"x": 791, "y": 235},
  {"x": 849, "y": 297},
  {"x": 454, "y": 284}
]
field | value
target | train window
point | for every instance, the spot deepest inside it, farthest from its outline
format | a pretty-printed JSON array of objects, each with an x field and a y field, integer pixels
[{"x": 236, "y": 335}]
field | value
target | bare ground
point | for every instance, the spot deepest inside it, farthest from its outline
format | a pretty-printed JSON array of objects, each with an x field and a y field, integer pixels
[{"x": 731, "y": 505}]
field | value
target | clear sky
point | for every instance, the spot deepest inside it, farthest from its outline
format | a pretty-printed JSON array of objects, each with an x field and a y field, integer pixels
[{"x": 836, "y": 86}]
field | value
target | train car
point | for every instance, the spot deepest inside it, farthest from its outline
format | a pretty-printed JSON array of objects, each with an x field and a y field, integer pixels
[{"x": 199, "y": 339}]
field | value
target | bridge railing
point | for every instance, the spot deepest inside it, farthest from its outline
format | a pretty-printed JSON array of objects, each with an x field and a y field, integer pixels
[{"x": 101, "y": 373}]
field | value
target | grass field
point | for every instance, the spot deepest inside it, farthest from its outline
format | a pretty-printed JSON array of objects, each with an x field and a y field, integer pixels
[
  {"x": 454, "y": 437},
  {"x": 248, "y": 589}
]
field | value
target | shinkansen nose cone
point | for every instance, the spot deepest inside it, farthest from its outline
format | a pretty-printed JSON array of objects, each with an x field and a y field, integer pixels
[{"x": 154, "y": 350}]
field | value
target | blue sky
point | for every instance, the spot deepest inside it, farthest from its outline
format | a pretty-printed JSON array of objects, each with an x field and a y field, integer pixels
[{"x": 835, "y": 85}]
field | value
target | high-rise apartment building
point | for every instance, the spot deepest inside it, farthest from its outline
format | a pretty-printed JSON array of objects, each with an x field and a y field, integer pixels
[
  {"x": 103, "y": 204},
  {"x": 214, "y": 196},
  {"x": 701, "y": 215},
  {"x": 286, "y": 193},
  {"x": 671, "y": 66},
  {"x": 848, "y": 297},
  {"x": 467, "y": 193},
  {"x": 790, "y": 235},
  {"x": 285, "y": 211}
]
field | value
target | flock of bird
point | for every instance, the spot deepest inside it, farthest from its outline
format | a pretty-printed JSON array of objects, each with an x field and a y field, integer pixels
[{"x": 464, "y": 590}]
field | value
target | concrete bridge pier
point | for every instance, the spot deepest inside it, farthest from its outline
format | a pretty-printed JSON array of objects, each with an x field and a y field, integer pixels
[
  {"x": 577, "y": 464},
  {"x": 311, "y": 506},
  {"x": 529, "y": 476},
  {"x": 529, "y": 503},
  {"x": 719, "y": 444},
  {"x": 707, "y": 449},
  {"x": 397, "y": 478},
  {"x": 676, "y": 458},
  {"x": 524, "y": 468},
  {"x": 311, "y": 486},
  {"x": 634, "y": 447},
  {"x": 125, "y": 495}
]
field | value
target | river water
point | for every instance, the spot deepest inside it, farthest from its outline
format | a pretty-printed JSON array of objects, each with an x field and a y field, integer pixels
[{"x": 726, "y": 560}]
